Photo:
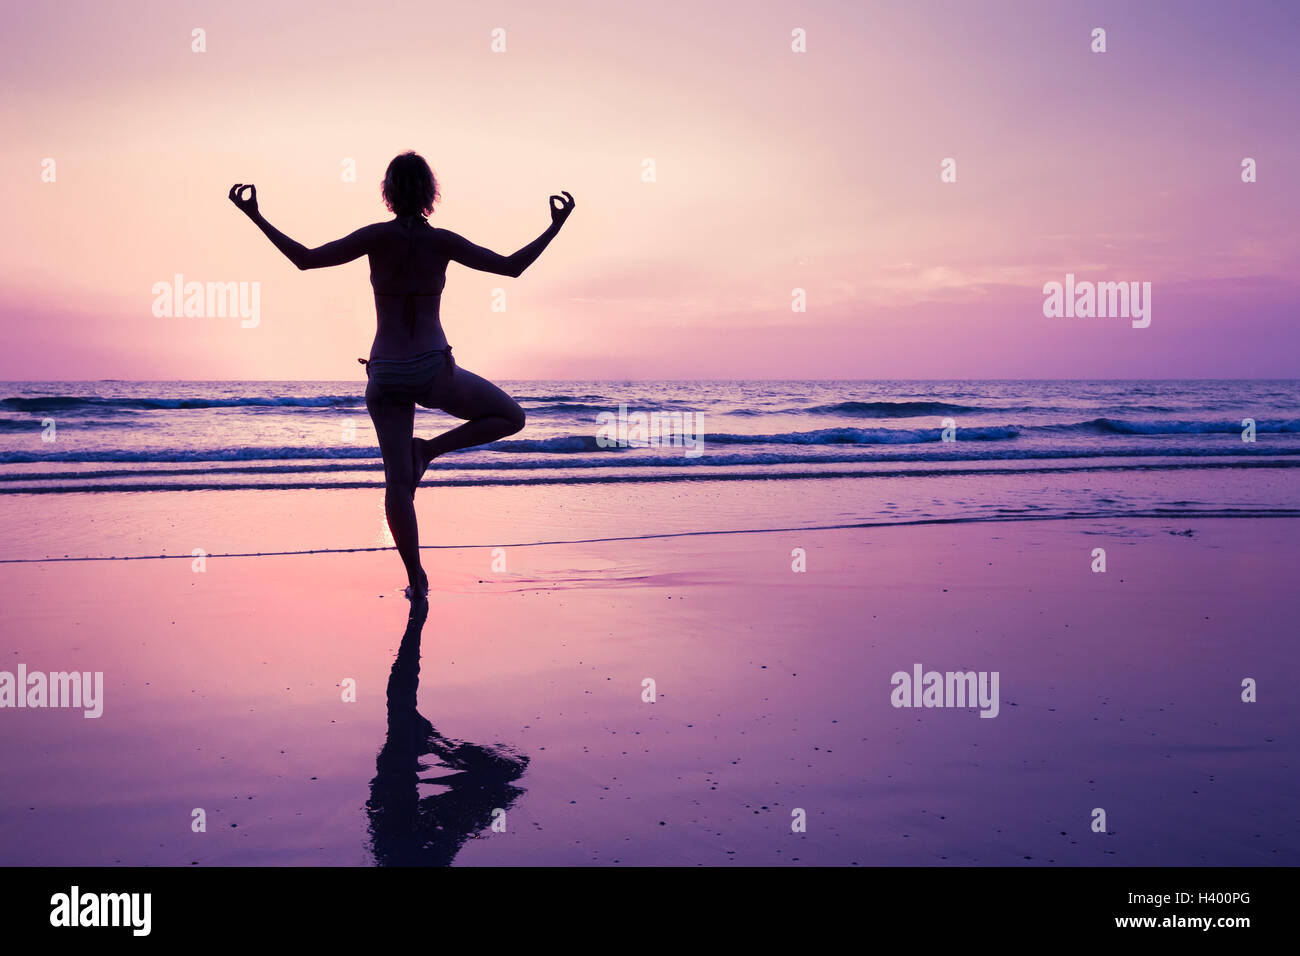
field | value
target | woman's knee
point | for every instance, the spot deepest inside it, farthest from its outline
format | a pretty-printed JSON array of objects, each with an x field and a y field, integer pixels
[
  {"x": 399, "y": 474},
  {"x": 397, "y": 489},
  {"x": 516, "y": 418}
]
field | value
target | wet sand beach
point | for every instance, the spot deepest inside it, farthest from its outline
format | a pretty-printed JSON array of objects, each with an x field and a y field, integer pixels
[{"x": 224, "y": 690}]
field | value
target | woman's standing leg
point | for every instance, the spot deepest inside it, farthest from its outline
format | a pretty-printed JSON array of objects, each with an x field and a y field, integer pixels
[{"x": 394, "y": 420}]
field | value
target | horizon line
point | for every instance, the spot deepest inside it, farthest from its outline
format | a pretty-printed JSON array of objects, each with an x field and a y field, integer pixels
[{"x": 659, "y": 381}]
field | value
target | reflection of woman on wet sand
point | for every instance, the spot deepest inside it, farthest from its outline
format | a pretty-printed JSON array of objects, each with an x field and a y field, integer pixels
[
  {"x": 405, "y": 829},
  {"x": 410, "y": 361}
]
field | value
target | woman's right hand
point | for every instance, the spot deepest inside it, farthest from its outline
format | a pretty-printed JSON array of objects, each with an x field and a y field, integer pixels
[{"x": 560, "y": 212}]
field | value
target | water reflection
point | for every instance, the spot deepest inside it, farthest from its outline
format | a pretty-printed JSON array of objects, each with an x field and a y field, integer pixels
[{"x": 472, "y": 780}]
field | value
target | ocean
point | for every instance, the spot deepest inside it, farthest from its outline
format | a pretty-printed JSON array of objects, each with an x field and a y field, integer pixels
[{"x": 118, "y": 436}]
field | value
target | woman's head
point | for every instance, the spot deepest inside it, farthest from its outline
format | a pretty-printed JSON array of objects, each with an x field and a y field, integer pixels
[{"x": 409, "y": 187}]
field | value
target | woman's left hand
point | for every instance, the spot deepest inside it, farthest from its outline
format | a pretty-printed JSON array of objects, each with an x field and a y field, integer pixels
[{"x": 247, "y": 206}]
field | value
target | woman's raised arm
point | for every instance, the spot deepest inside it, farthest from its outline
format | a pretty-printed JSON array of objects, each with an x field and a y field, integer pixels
[
  {"x": 331, "y": 254},
  {"x": 459, "y": 249}
]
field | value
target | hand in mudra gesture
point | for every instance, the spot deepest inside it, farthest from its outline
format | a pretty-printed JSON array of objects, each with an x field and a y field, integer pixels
[
  {"x": 247, "y": 206},
  {"x": 561, "y": 206}
]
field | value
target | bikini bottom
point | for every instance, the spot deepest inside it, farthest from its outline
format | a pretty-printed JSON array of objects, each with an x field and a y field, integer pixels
[{"x": 408, "y": 379}]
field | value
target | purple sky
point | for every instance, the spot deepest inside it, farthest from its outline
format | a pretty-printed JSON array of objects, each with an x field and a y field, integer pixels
[{"x": 775, "y": 170}]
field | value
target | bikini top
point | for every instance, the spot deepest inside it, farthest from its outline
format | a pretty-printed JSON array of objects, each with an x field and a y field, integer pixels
[{"x": 408, "y": 308}]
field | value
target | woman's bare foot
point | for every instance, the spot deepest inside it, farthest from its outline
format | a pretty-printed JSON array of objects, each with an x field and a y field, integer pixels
[
  {"x": 420, "y": 459},
  {"x": 418, "y": 463},
  {"x": 423, "y": 593}
]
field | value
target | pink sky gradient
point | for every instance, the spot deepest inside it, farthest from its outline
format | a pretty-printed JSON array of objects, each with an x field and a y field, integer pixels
[{"x": 776, "y": 170}]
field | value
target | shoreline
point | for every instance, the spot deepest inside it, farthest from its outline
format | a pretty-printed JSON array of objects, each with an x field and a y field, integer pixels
[{"x": 915, "y": 523}]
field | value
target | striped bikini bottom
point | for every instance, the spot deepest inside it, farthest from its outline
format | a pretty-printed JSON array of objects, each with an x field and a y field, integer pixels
[
  {"x": 420, "y": 380},
  {"x": 417, "y": 374}
]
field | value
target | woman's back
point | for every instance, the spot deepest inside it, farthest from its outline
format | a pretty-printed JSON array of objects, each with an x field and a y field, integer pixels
[{"x": 408, "y": 270}]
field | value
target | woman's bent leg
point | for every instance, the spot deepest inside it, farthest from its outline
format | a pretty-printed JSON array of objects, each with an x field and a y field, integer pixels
[
  {"x": 491, "y": 414},
  {"x": 394, "y": 420}
]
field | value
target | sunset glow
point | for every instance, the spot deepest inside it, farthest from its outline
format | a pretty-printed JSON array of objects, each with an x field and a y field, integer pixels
[{"x": 774, "y": 170}]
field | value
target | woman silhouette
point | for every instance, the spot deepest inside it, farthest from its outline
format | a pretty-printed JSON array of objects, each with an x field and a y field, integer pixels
[{"x": 410, "y": 361}]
